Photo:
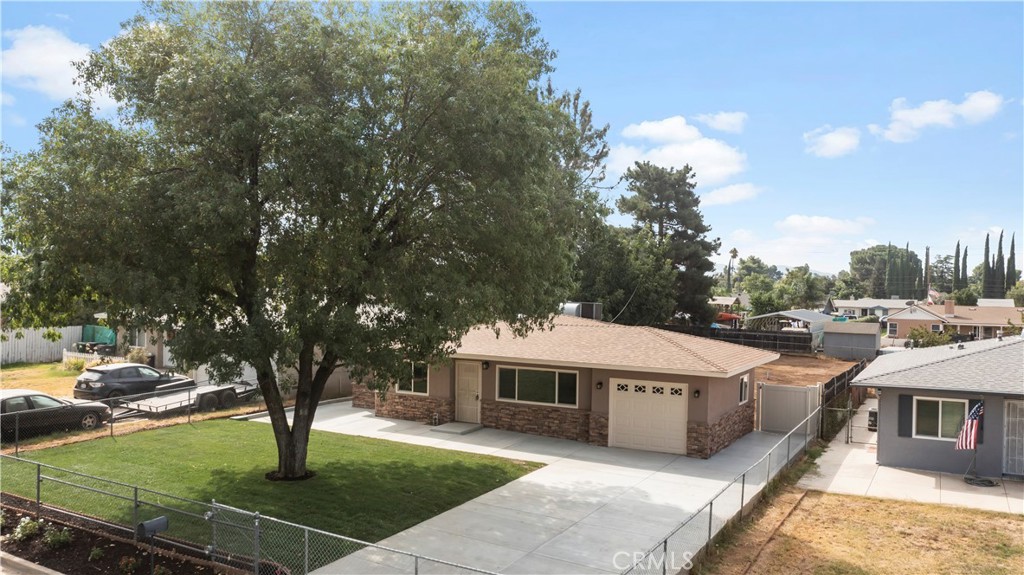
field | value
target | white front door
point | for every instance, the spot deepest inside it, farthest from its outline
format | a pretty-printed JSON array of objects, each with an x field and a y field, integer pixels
[
  {"x": 648, "y": 415},
  {"x": 467, "y": 391},
  {"x": 1013, "y": 438}
]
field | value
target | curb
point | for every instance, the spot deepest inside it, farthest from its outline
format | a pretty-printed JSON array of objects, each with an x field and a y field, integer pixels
[
  {"x": 14, "y": 565},
  {"x": 287, "y": 409}
]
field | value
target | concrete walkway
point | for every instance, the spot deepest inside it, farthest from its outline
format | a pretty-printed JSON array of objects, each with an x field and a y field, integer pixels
[
  {"x": 588, "y": 511},
  {"x": 852, "y": 469},
  {"x": 13, "y": 565}
]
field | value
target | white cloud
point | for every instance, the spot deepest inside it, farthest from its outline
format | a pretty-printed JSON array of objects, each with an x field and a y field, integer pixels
[
  {"x": 6, "y": 99},
  {"x": 673, "y": 143},
  {"x": 724, "y": 121},
  {"x": 798, "y": 224},
  {"x": 730, "y": 194},
  {"x": 40, "y": 59},
  {"x": 906, "y": 123},
  {"x": 826, "y": 142},
  {"x": 15, "y": 119}
]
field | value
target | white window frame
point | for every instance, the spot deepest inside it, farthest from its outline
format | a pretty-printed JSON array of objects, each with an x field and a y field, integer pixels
[
  {"x": 744, "y": 389},
  {"x": 411, "y": 390},
  {"x": 941, "y": 400},
  {"x": 497, "y": 386},
  {"x": 891, "y": 329}
]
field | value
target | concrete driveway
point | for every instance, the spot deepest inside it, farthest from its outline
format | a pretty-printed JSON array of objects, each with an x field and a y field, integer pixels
[
  {"x": 588, "y": 511},
  {"x": 852, "y": 469}
]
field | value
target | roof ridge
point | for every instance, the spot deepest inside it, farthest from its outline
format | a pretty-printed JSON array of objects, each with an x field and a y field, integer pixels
[
  {"x": 662, "y": 334},
  {"x": 951, "y": 357}
]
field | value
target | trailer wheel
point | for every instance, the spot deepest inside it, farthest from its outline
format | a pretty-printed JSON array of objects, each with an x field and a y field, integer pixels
[
  {"x": 228, "y": 398},
  {"x": 208, "y": 402}
]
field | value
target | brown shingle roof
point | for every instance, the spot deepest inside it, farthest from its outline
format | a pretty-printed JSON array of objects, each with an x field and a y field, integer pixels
[{"x": 581, "y": 342}]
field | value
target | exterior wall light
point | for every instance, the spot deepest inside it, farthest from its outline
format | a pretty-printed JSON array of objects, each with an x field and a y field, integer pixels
[
  {"x": 696, "y": 393},
  {"x": 599, "y": 385}
]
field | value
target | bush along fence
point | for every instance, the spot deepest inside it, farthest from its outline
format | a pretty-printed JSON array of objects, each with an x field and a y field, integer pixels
[
  {"x": 679, "y": 550},
  {"x": 233, "y": 537}
]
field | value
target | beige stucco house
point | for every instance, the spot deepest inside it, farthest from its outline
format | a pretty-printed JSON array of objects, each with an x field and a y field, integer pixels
[
  {"x": 980, "y": 322},
  {"x": 590, "y": 381}
]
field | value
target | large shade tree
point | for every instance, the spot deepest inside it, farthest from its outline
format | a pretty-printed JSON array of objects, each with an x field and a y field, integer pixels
[
  {"x": 308, "y": 185},
  {"x": 663, "y": 200}
]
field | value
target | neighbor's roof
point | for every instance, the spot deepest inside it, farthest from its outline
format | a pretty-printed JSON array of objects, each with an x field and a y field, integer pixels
[
  {"x": 581, "y": 342},
  {"x": 989, "y": 366},
  {"x": 994, "y": 302},
  {"x": 962, "y": 315},
  {"x": 798, "y": 314},
  {"x": 724, "y": 300},
  {"x": 868, "y": 303}
]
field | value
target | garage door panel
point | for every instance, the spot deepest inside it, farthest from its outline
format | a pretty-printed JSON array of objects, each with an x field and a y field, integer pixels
[{"x": 648, "y": 415}]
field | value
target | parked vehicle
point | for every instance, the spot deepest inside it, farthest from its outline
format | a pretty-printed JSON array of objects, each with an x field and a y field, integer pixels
[
  {"x": 26, "y": 412},
  {"x": 120, "y": 379}
]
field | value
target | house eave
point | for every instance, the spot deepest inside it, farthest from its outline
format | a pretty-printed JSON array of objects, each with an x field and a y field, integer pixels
[{"x": 594, "y": 365}]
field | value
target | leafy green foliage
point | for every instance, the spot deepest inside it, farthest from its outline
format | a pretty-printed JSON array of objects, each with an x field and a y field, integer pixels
[
  {"x": 1016, "y": 293},
  {"x": 28, "y": 528},
  {"x": 926, "y": 338},
  {"x": 128, "y": 564},
  {"x": 801, "y": 289},
  {"x": 54, "y": 538},
  {"x": 965, "y": 296},
  {"x": 664, "y": 201},
  {"x": 95, "y": 554},
  {"x": 317, "y": 185},
  {"x": 765, "y": 302}
]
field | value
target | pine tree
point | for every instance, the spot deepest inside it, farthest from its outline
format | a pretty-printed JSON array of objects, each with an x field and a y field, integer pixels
[
  {"x": 1011, "y": 267},
  {"x": 986, "y": 271},
  {"x": 956, "y": 267},
  {"x": 890, "y": 270}
]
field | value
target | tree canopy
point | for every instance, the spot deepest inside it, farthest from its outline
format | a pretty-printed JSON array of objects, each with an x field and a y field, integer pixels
[
  {"x": 317, "y": 185},
  {"x": 663, "y": 199}
]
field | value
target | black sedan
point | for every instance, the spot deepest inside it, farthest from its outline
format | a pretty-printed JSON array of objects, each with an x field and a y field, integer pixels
[
  {"x": 24, "y": 412},
  {"x": 120, "y": 379}
]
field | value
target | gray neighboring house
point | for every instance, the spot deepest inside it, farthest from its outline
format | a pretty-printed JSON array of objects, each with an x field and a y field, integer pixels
[{"x": 927, "y": 393}]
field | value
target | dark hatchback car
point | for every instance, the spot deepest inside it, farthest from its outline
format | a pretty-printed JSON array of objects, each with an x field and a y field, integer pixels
[
  {"x": 120, "y": 379},
  {"x": 24, "y": 412}
]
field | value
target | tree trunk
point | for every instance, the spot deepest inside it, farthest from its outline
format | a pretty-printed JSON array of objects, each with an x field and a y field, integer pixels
[{"x": 293, "y": 441}]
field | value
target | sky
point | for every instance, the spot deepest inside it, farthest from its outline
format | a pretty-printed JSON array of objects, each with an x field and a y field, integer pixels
[{"x": 814, "y": 129}]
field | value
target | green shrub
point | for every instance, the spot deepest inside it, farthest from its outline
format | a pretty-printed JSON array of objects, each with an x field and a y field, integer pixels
[
  {"x": 128, "y": 564},
  {"x": 27, "y": 529},
  {"x": 74, "y": 364},
  {"x": 95, "y": 554},
  {"x": 55, "y": 538},
  {"x": 137, "y": 355},
  {"x": 161, "y": 570}
]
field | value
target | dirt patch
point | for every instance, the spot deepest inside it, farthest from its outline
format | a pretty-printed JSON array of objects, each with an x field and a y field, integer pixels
[
  {"x": 828, "y": 533},
  {"x": 801, "y": 370},
  {"x": 80, "y": 550}
]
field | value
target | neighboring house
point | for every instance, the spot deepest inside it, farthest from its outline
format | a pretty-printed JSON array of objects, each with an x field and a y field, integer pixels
[
  {"x": 868, "y": 306},
  {"x": 927, "y": 393},
  {"x": 828, "y": 307},
  {"x": 591, "y": 381},
  {"x": 978, "y": 322},
  {"x": 852, "y": 340},
  {"x": 728, "y": 303}
]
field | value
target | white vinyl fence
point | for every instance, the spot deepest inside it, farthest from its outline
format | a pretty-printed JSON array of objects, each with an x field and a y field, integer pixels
[{"x": 32, "y": 347}]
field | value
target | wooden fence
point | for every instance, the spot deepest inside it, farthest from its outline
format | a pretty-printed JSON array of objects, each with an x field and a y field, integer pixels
[
  {"x": 29, "y": 345},
  {"x": 787, "y": 342}
]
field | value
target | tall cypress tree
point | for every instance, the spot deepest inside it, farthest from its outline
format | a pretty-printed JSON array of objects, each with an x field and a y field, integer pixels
[
  {"x": 956, "y": 267},
  {"x": 999, "y": 281},
  {"x": 1011, "y": 267},
  {"x": 986, "y": 271},
  {"x": 889, "y": 271},
  {"x": 963, "y": 270}
]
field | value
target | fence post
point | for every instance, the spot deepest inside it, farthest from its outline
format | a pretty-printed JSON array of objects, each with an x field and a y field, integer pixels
[
  {"x": 768, "y": 475},
  {"x": 416, "y": 564},
  {"x": 39, "y": 487},
  {"x": 788, "y": 450},
  {"x": 743, "y": 492},
  {"x": 305, "y": 553},
  {"x": 189, "y": 407},
  {"x": 256, "y": 544},
  {"x": 135, "y": 511},
  {"x": 711, "y": 519},
  {"x": 17, "y": 429},
  {"x": 664, "y": 557}
]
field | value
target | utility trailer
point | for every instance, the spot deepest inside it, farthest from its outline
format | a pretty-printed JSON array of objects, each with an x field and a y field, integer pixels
[{"x": 195, "y": 398}]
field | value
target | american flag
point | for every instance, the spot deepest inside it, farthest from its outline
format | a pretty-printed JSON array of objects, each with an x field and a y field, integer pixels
[{"x": 968, "y": 438}]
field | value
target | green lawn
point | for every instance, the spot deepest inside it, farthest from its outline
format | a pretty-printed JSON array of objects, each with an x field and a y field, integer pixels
[{"x": 364, "y": 488}]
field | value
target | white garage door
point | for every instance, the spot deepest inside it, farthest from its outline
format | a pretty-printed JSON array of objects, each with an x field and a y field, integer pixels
[{"x": 648, "y": 415}]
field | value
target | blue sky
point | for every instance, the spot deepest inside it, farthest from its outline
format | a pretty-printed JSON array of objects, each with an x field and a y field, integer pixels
[{"x": 815, "y": 129}]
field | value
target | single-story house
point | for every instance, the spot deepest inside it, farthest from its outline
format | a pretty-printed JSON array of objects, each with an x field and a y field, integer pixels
[
  {"x": 730, "y": 302},
  {"x": 926, "y": 394},
  {"x": 868, "y": 306},
  {"x": 590, "y": 381},
  {"x": 979, "y": 322},
  {"x": 852, "y": 340},
  {"x": 995, "y": 302}
]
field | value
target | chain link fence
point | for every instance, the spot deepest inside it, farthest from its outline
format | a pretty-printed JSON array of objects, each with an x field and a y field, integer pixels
[
  {"x": 237, "y": 538},
  {"x": 677, "y": 551}
]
